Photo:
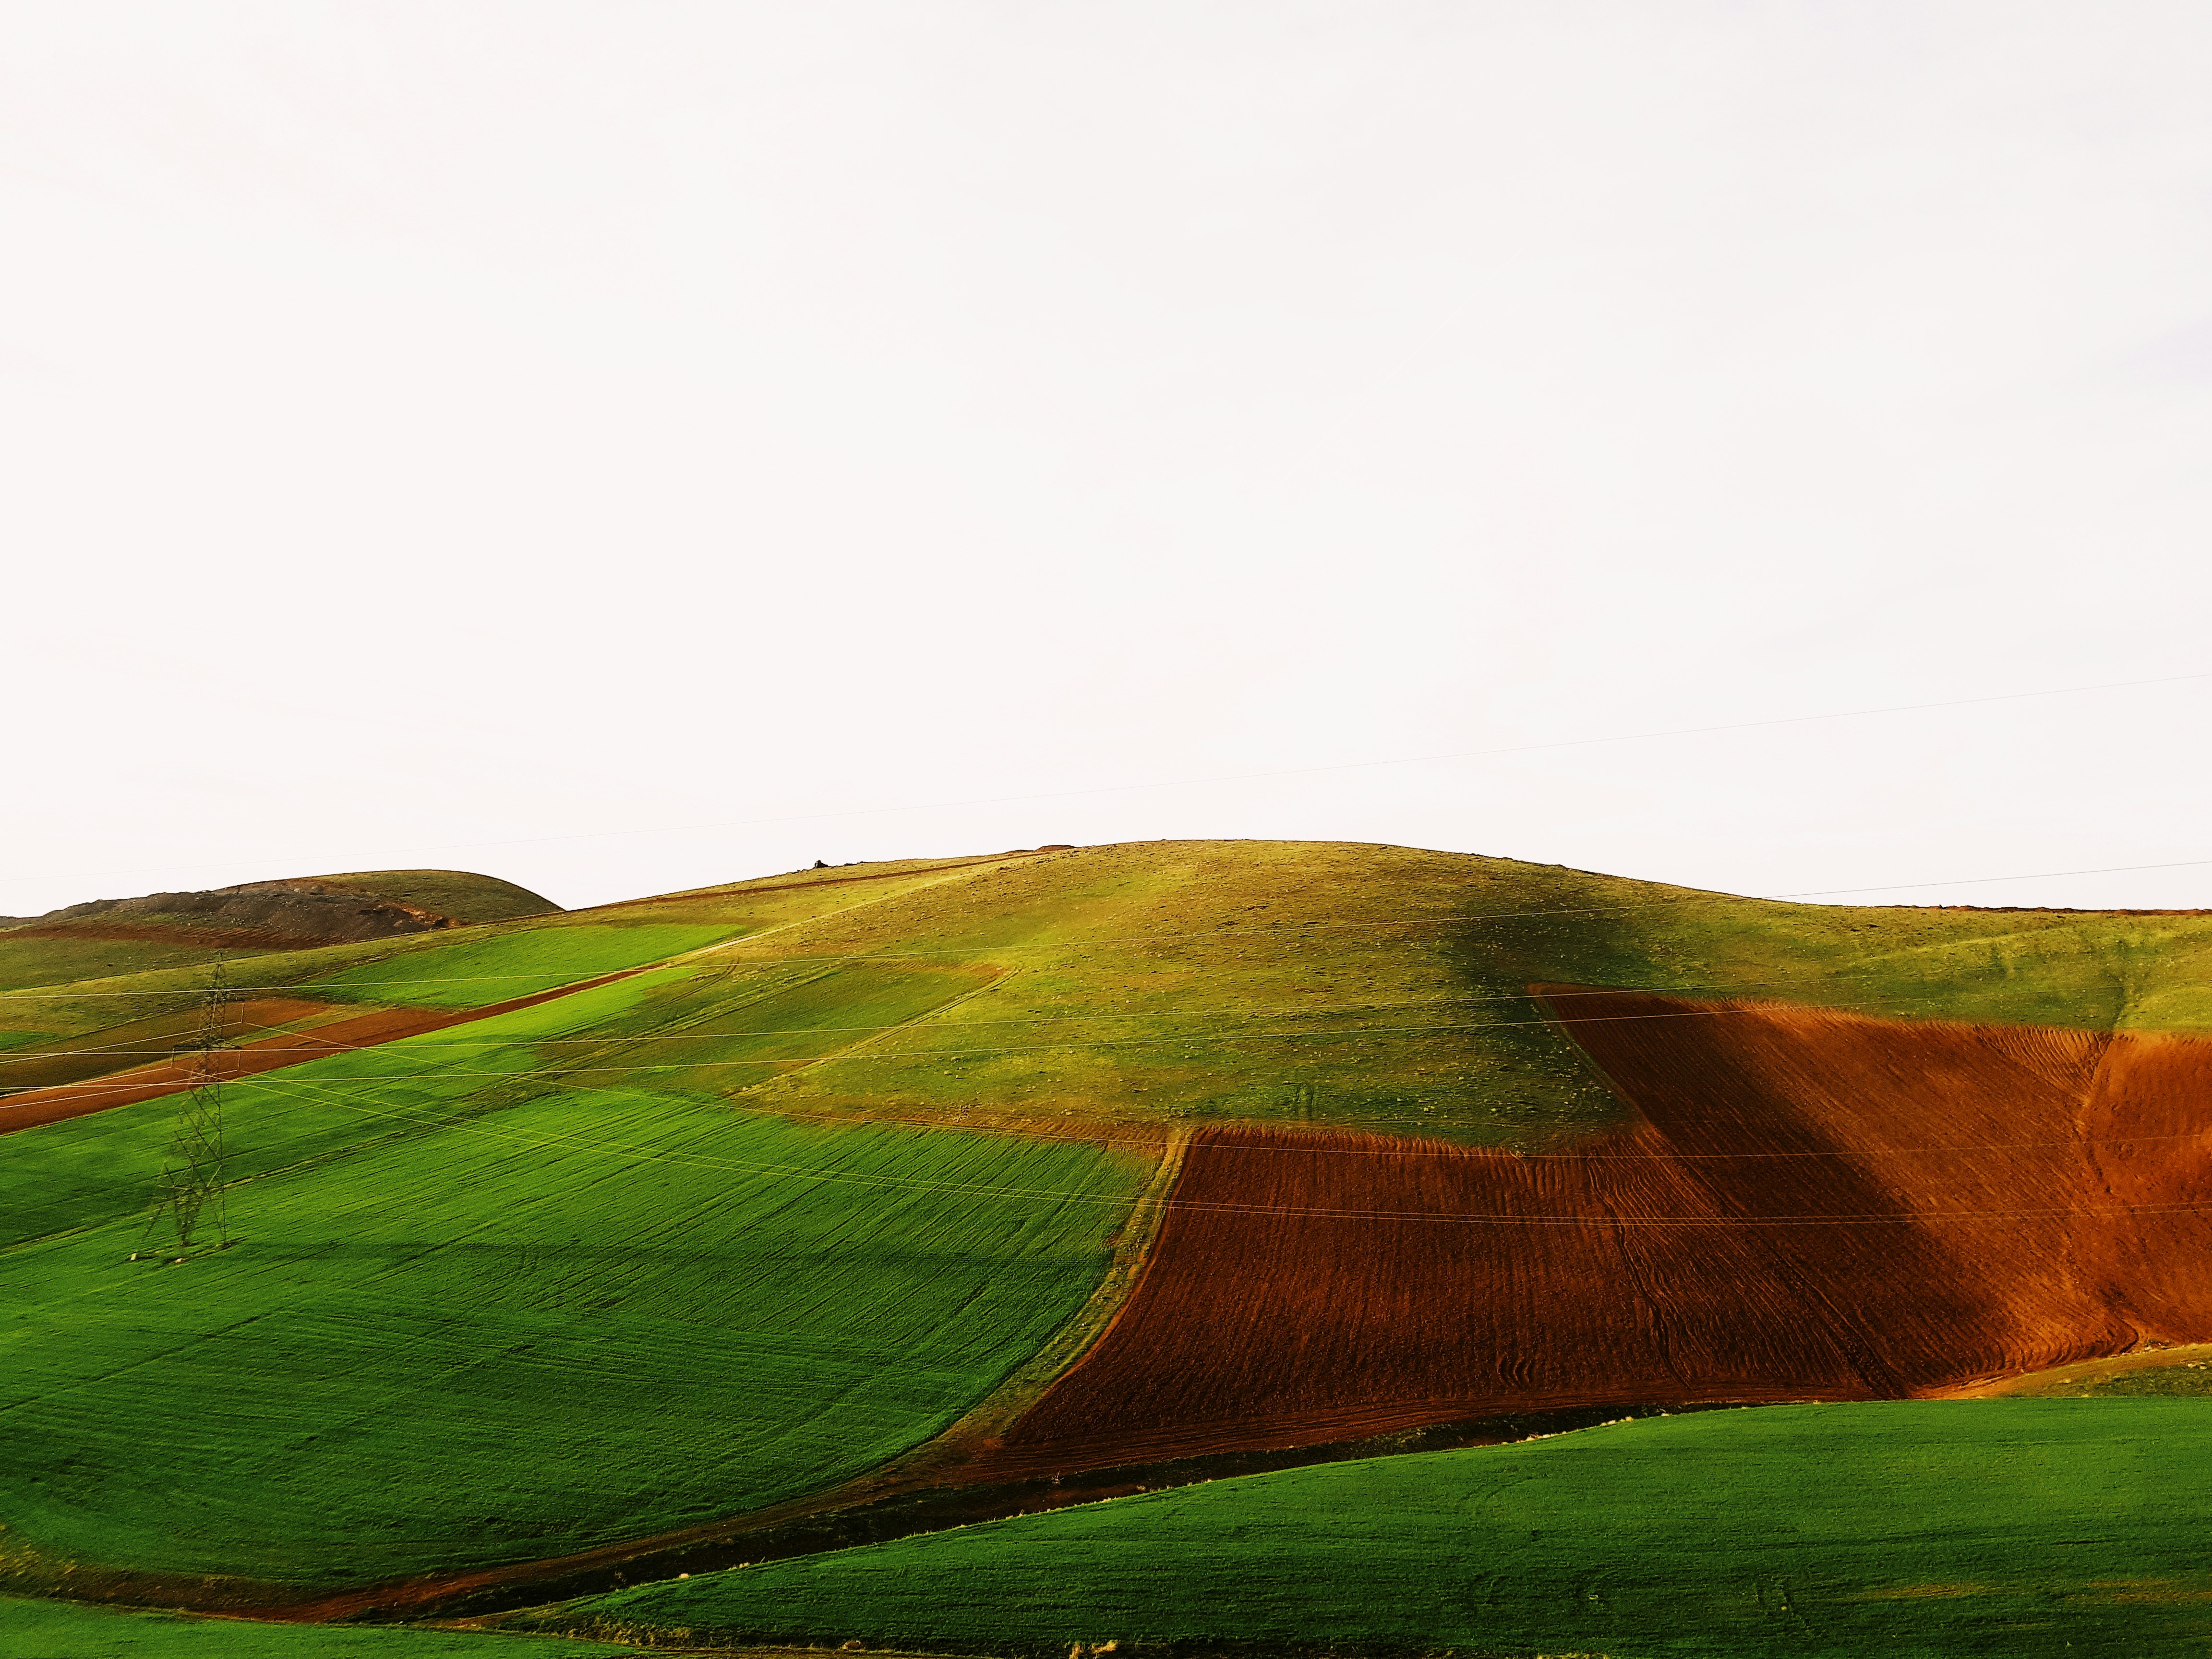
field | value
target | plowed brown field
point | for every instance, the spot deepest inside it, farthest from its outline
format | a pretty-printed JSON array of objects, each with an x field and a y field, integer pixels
[{"x": 1807, "y": 1205}]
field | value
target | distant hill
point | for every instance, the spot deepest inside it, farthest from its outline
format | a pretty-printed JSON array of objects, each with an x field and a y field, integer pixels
[
  {"x": 104, "y": 937},
  {"x": 464, "y": 896}
]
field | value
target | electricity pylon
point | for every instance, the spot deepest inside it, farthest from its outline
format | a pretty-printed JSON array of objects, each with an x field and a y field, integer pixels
[{"x": 191, "y": 1176}]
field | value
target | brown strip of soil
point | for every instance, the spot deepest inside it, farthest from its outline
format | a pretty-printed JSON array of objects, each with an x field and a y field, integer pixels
[
  {"x": 1808, "y": 1206},
  {"x": 141, "y": 1042},
  {"x": 34, "y": 1107}
]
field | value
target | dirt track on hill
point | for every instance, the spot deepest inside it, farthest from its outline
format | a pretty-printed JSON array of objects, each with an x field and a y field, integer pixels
[
  {"x": 34, "y": 1107},
  {"x": 1808, "y": 1206}
]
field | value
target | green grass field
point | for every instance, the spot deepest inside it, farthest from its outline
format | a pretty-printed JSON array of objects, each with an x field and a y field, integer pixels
[
  {"x": 478, "y": 1318},
  {"x": 1927, "y": 1530},
  {"x": 60, "y": 1630},
  {"x": 473, "y": 972},
  {"x": 25, "y": 962}
]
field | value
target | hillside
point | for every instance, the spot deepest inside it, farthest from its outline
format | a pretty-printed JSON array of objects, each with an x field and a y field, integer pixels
[
  {"x": 161, "y": 929},
  {"x": 580, "y": 1248}
]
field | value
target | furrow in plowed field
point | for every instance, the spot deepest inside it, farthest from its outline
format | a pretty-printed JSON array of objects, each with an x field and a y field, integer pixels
[{"x": 1806, "y": 1205}]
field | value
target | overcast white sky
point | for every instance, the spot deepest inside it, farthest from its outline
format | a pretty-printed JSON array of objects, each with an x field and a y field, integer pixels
[{"x": 489, "y": 435}]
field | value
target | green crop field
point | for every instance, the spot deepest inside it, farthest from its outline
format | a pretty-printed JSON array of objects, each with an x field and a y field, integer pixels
[
  {"x": 27, "y": 962},
  {"x": 473, "y": 972},
  {"x": 60, "y": 1630},
  {"x": 1930, "y": 1528},
  {"x": 476, "y": 1318}
]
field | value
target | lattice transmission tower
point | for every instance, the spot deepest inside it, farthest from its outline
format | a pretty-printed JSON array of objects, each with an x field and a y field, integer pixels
[{"x": 192, "y": 1175}]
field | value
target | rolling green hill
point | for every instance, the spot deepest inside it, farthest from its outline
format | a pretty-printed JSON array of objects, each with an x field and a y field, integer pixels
[
  {"x": 823, "y": 1181},
  {"x": 1360, "y": 985},
  {"x": 1386, "y": 987},
  {"x": 67, "y": 1032}
]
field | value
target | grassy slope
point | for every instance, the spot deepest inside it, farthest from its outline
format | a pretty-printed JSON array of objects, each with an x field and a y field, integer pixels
[
  {"x": 2011, "y": 1528},
  {"x": 2191, "y": 1380},
  {"x": 1386, "y": 987},
  {"x": 2182, "y": 1372},
  {"x": 473, "y": 972},
  {"x": 458, "y": 894},
  {"x": 82, "y": 1006},
  {"x": 29, "y": 962},
  {"x": 60, "y": 1630},
  {"x": 134, "y": 1028},
  {"x": 479, "y": 1317}
]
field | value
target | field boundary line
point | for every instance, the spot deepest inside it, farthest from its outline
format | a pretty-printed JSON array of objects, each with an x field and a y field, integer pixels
[{"x": 1085, "y": 1329}]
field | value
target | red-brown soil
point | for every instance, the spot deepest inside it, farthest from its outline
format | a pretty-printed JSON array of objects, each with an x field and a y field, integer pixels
[
  {"x": 59, "y": 1060},
  {"x": 34, "y": 1107},
  {"x": 1806, "y": 1205}
]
